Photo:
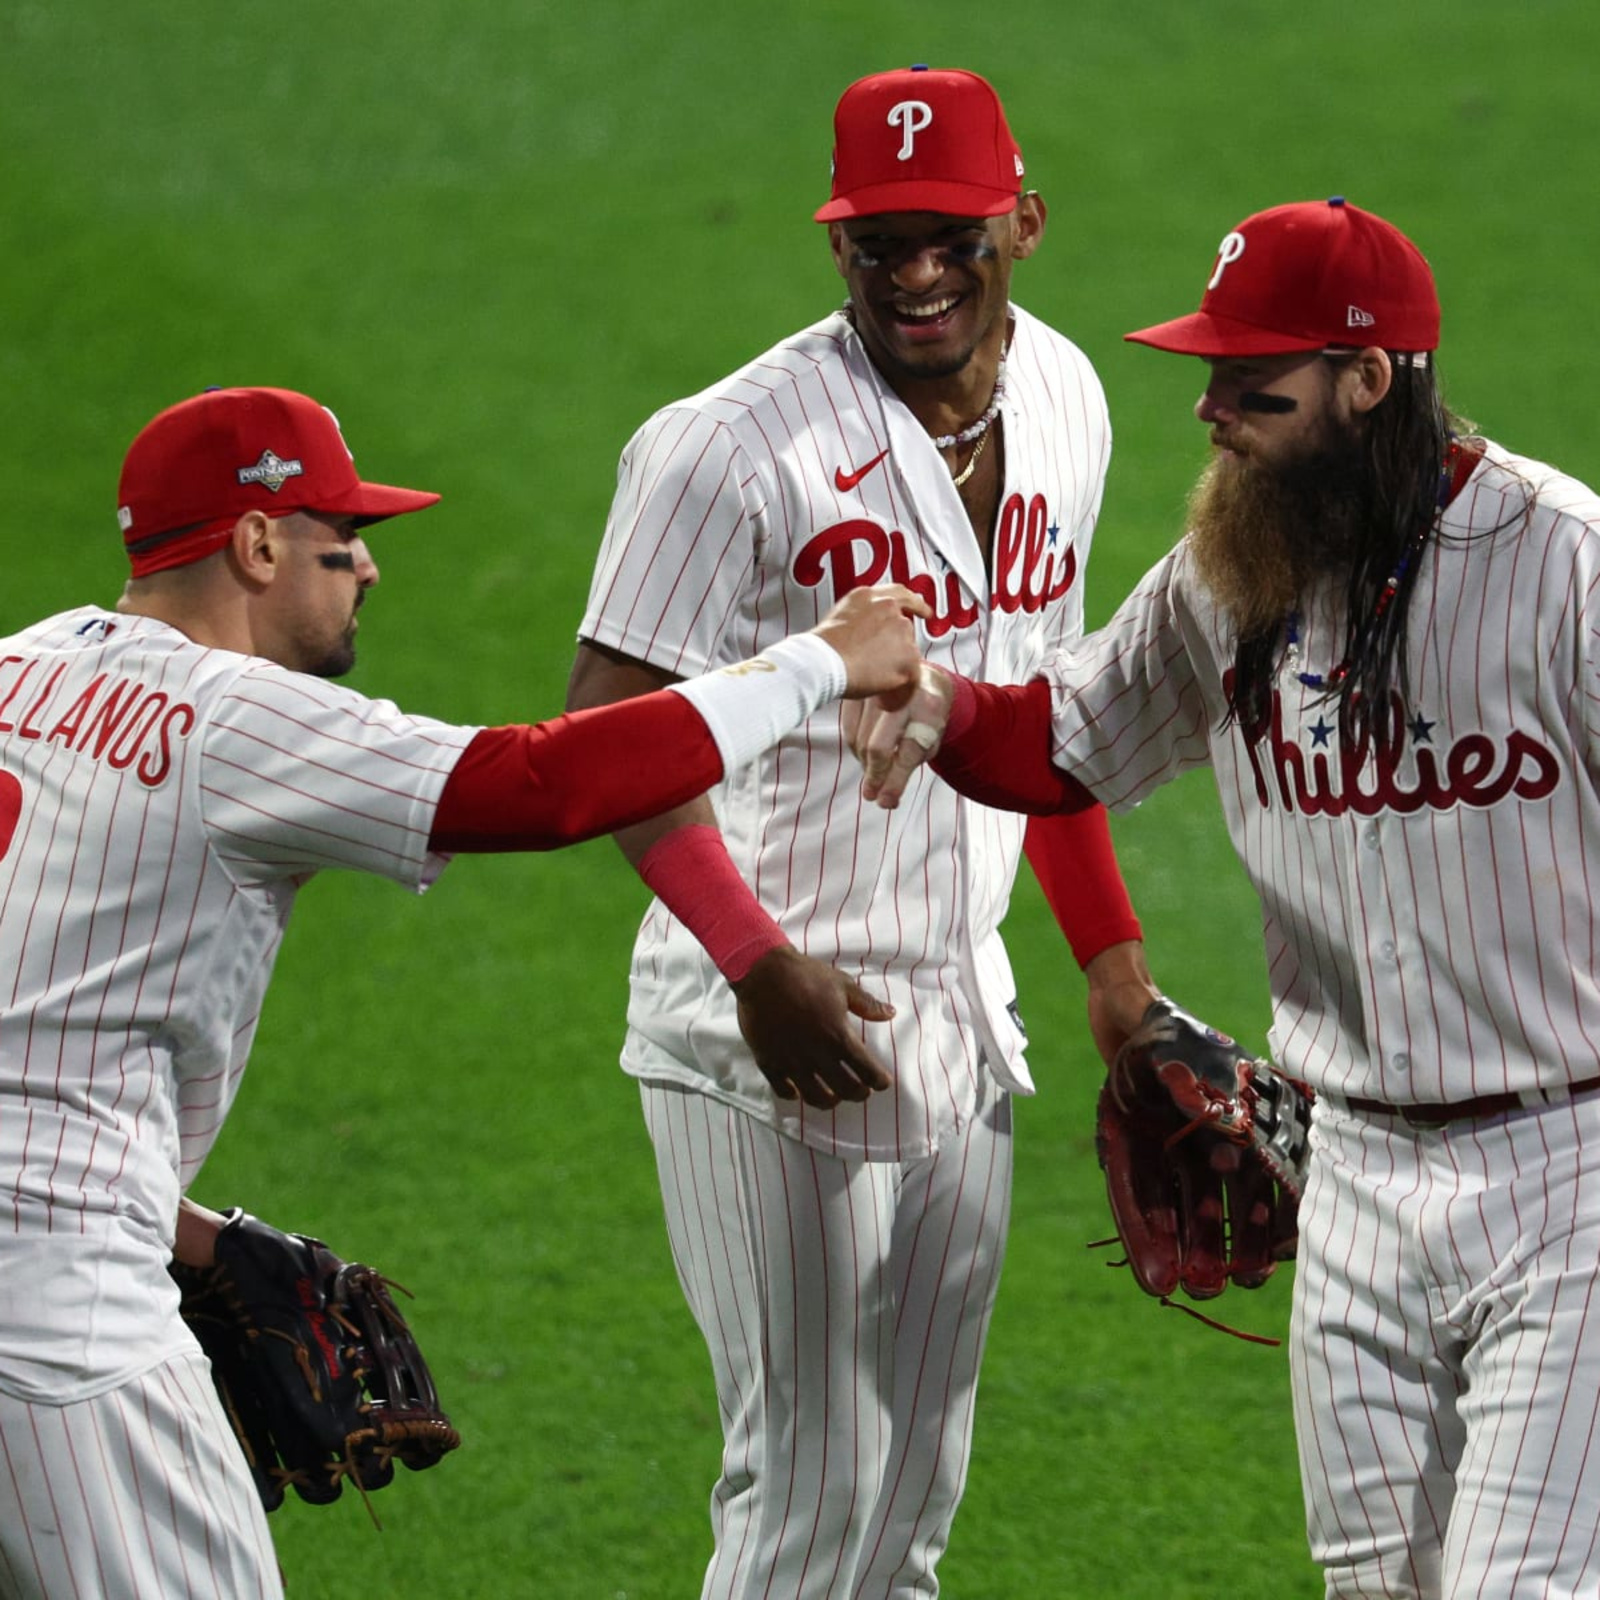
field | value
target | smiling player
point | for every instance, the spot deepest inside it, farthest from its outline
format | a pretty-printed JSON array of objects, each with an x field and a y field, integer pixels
[{"x": 839, "y": 1229}]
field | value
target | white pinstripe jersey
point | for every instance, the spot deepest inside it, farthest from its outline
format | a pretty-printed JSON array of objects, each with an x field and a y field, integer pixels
[
  {"x": 160, "y": 805},
  {"x": 1429, "y": 908},
  {"x": 743, "y": 514}
]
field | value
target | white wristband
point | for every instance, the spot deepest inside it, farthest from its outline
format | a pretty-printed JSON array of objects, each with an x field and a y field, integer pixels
[{"x": 750, "y": 706}]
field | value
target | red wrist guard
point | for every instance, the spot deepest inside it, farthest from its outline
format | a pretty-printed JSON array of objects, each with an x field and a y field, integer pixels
[{"x": 692, "y": 874}]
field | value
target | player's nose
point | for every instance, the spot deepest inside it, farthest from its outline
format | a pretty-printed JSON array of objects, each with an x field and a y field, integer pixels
[
  {"x": 919, "y": 269},
  {"x": 1215, "y": 406},
  {"x": 366, "y": 567}
]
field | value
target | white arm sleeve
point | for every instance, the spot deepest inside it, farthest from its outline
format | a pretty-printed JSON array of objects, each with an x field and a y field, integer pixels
[{"x": 750, "y": 706}]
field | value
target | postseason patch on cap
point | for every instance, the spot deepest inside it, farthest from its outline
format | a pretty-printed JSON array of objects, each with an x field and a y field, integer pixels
[{"x": 271, "y": 471}]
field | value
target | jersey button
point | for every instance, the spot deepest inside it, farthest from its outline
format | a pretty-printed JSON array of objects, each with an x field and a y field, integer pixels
[
  {"x": 1386, "y": 950},
  {"x": 1401, "y": 1062}
]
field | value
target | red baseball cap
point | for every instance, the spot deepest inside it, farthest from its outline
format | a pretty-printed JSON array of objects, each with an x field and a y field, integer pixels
[
  {"x": 192, "y": 472},
  {"x": 1298, "y": 277},
  {"x": 922, "y": 139}
]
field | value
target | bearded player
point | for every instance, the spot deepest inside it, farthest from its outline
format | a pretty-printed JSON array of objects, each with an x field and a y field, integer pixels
[
  {"x": 1383, "y": 635},
  {"x": 171, "y": 772}
]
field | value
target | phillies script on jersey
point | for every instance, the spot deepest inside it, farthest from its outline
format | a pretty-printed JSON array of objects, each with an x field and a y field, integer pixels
[
  {"x": 120, "y": 721},
  {"x": 1363, "y": 775},
  {"x": 1030, "y": 567}
]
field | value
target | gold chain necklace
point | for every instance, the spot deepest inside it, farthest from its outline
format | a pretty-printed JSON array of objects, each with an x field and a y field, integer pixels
[{"x": 972, "y": 461}]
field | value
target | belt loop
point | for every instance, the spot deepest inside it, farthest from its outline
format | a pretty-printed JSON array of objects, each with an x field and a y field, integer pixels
[{"x": 1558, "y": 1094}]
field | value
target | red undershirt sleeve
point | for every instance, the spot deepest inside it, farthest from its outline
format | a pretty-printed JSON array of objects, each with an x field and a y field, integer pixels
[
  {"x": 541, "y": 786},
  {"x": 996, "y": 750},
  {"x": 1077, "y": 869}
]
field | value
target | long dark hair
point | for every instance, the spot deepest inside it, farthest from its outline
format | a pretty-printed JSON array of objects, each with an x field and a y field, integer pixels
[{"x": 1406, "y": 439}]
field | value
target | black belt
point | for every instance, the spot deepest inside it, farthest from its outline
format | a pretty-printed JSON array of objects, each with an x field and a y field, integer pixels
[{"x": 1484, "y": 1105}]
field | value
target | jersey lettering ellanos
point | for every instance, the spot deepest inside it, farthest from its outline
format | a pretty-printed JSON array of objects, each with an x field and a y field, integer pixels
[{"x": 160, "y": 806}]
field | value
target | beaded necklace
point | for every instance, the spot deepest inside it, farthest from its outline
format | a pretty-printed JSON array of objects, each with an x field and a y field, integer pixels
[
  {"x": 1453, "y": 460},
  {"x": 977, "y": 429},
  {"x": 1291, "y": 624},
  {"x": 982, "y": 425}
]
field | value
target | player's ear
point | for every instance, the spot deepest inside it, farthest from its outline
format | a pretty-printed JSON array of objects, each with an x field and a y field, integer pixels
[
  {"x": 256, "y": 548},
  {"x": 1367, "y": 379},
  {"x": 1029, "y": 219}
]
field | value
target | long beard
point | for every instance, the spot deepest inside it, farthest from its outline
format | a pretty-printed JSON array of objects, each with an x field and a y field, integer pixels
[{"x": 1263, "y": 537}]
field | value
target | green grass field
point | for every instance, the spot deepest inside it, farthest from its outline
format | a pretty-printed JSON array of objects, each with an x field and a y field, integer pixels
[{"x": 494, "y": 237}]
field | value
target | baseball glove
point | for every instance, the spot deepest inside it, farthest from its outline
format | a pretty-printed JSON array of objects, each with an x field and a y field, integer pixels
[
  {"x": 1204, "y": 1151},
  {"x": 317, "y": 1370}
]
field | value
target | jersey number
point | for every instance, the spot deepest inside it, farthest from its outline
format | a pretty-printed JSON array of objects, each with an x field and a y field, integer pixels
[{"x": 10, "y": 809}]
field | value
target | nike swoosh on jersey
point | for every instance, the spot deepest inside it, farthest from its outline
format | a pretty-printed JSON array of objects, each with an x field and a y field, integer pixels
[{"x": 845, "y": 481}]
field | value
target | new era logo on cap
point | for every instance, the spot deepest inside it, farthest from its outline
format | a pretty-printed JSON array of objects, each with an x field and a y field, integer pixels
[
  {"x": 1302, "y": 276},
  {"x": 922, "y": 139}
]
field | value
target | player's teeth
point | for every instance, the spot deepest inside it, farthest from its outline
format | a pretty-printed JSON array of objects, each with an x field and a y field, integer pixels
[{"x": 927, "y": 311}]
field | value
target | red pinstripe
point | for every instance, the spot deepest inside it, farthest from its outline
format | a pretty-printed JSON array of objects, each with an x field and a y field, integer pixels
[
  {"x": 717, "y": 499},
  {"x": 1471, "y": 1002}
]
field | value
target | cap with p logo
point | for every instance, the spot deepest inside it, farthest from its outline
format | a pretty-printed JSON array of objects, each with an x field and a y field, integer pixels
[
  {"x": 1229, "y": 251},
  {"x": 1304, "y": 276},
  {"x": 922, "y": 139}
]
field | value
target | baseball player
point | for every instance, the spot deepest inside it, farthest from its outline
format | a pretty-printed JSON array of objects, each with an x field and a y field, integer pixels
[
  {"x": 839, "y": 1232},
  {"x": 1380, "y": 633},
  {"x": 171, "y": 772}
]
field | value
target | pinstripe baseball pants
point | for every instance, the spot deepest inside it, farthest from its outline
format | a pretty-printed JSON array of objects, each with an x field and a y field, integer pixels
[
  {"x": 1446, "y": 1355},
  {"x": 845, "y": 1304},
  {"x": 140, "y": 1493}
]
